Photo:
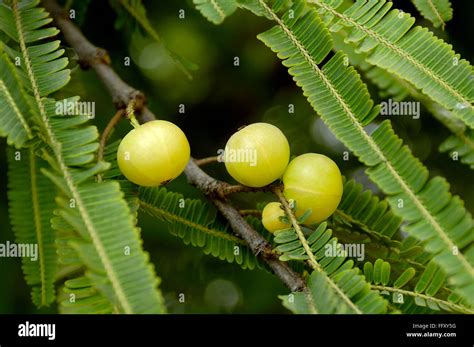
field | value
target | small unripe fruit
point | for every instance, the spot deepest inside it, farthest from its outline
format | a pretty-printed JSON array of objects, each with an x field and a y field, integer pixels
[
  {"x": 271, "y": 217},
  {"x": 153, "y": 153},
  {"x": 314, "y": 182},
  {"x": 257, "y": 155}
]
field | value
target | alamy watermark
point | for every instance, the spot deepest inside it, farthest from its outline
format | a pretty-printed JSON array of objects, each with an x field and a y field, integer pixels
[
  {"x": 350, "y": 250},
  {"x": 75, "y": 108},
  {"x": 240, "y": 155},
  {"x": 400, "y": 108},
  {"x": 19, "y": 250},
  {"x": 28, "y": 329}
]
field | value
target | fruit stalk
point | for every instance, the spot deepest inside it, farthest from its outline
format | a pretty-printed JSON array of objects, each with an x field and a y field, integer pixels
[{"x": 205, "y": 161}]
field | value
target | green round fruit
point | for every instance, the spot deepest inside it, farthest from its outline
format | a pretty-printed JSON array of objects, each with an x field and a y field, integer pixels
[
  {"x": 314, "y": 182},
  {"x": 153, "y": 153},
  {"x": 257, "y": 155},
  {"x": 271, "y": 217}
]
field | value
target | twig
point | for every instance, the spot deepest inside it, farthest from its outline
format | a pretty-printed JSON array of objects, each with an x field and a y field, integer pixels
[
  {"x": 122, "y": 94},
  {"x": 260, "y": 246},
  {"x": 106, "y": 133},
  {"x": 205, "y": 161},
  {"x": 255, "y": 241},
  {"x": 256, "y": 213},
  {"x": 98, "y": 59},
  {"x": 232, "y": 189}
]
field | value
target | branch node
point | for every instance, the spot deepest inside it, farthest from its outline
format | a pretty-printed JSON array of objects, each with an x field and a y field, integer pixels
[{"x": 264, "y": 249}]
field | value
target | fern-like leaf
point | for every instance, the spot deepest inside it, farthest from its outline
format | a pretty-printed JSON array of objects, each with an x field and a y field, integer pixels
[
  {"x": 110, "y": 156},
  {"x": 397, "y": 47},
  {"x": 460, "y": 144},
  {"x": 397, "y": 253},
  {"x": 436, "y": 217},
  {"x": 196, "y": 223},
  {"x": 389, "y": 85},
  {"x": 79, "y": 296},
  {"x": 437, "y": 12},
  {"x": 360, "y": 207},
  {"x": 325, "y": 88},
  {"x": 339, "y": 96},
  {"x": 31, "y": 200},
  {"x": 460, "y": 147},
  {"x": 106, "y": 239},
  {"x": 216, "y": 11},
  {"x": 411, "y": 295},
  {"x": 13, "y": 106},
  {"x": 364, "y": 218},
  {"x": 334, "y": 286},
  {"x": 322, "y": 298}
]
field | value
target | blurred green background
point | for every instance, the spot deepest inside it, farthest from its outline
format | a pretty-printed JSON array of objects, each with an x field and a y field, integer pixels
[{"x": 221, "y": 98}]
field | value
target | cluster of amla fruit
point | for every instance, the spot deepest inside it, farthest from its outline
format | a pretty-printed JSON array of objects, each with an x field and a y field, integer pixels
[{"x": 158, "y": 151}]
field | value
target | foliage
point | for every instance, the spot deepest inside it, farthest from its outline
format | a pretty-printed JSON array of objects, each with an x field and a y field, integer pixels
[
  {"x": 197, "y": 223},
  {"x": 460, "y": 147},
  {"x": 105, "y": 237},
  {"x": 31, "y": 197},
  {"x": 436, "y": 11},
  {"x": 337, "y": 93},
  {"x": 414, "y": 296},
  {"x": 334, "y": 285},
  {"x": 387, "y": 35},
  {"x": 73, "y": 202},
  {"x": 216, "y": 10}
]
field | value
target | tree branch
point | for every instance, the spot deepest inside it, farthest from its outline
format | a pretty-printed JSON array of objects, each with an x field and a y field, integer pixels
[
  {"x": 256, "y": 213},
  {"x": 98, "y": 59},
  {"x": 255, "y": 241},
  {"x": 122, "y": 94},
  {"x": 232, "y": 189}
]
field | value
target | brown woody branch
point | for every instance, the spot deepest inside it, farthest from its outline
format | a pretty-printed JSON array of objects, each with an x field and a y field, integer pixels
[
  {"x": 256, "y": 213},
  {"x": 216, "y": 191},
  {"x": 98, "y": 59},
  {"x": 255, "y": 241}
]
